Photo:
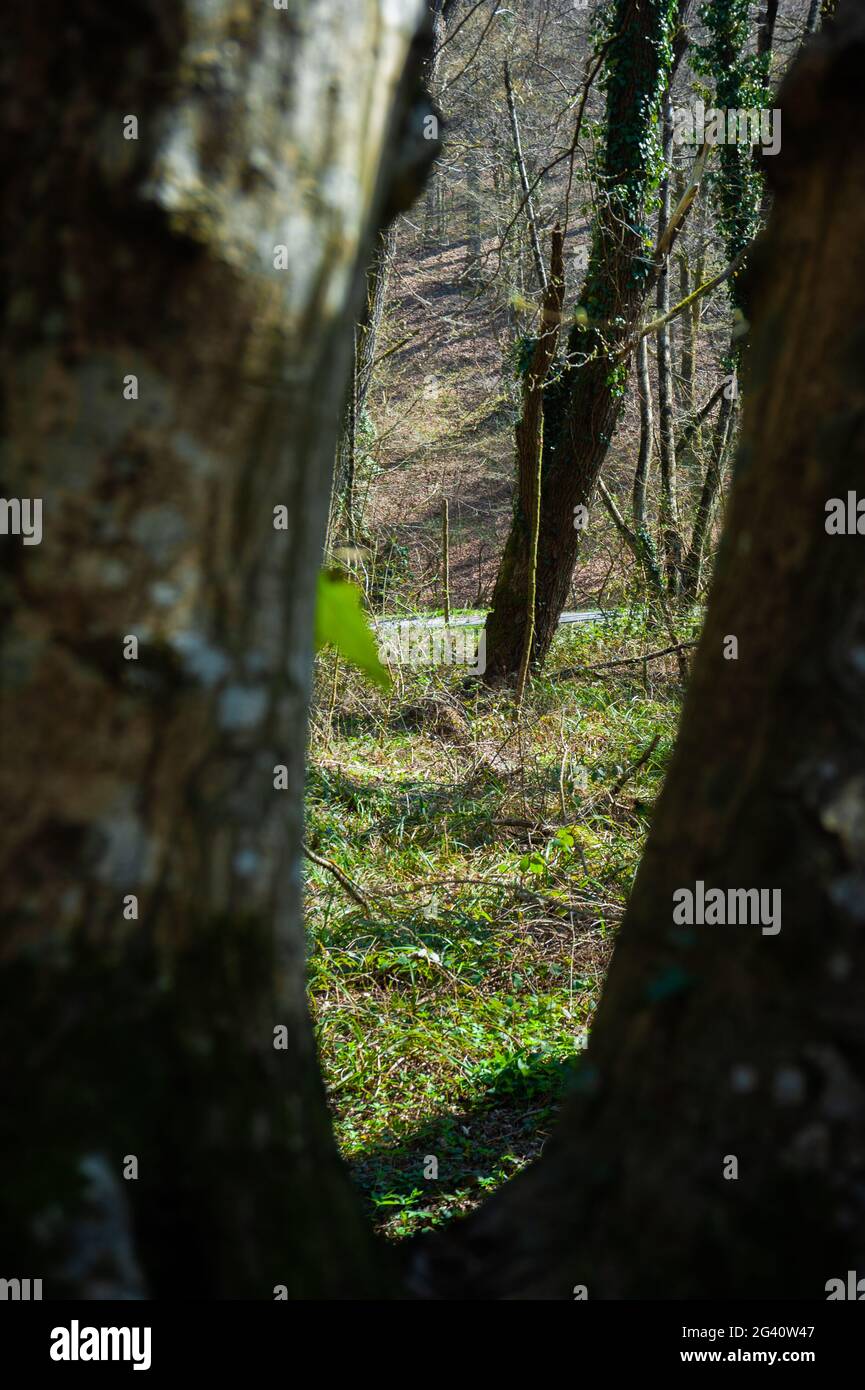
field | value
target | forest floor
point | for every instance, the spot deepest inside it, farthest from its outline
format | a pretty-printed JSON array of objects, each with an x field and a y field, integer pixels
[{"x": 494, "y": 854}]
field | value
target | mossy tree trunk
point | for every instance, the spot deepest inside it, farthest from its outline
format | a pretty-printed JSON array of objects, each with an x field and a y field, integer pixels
[
  {"x": 583, "y": 405},
  {"x": 187, "y": 225},
  {"x": 529, "y": 430}
]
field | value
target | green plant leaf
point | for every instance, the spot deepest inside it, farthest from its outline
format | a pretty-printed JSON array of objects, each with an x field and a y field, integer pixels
[{"x": 340, "y": 620}]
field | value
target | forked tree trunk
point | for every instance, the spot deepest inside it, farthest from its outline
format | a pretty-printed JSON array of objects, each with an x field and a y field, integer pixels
[
  {"x": 583, "y": 407},
  {"x": 715, "y": 1043},
  {"x": 174, "y": 359}
]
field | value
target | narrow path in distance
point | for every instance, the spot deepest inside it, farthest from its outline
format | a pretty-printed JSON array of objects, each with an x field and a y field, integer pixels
[{"x": 477, "y": 618}]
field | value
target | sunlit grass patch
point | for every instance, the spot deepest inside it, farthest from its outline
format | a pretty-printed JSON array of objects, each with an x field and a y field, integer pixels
[{"x": 451, "y": 1010}]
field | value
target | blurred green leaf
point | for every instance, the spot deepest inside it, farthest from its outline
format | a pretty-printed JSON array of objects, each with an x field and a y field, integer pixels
[{"x": 341, "y": 621}]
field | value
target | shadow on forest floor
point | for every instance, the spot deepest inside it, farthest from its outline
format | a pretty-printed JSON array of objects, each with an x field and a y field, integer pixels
[{"x": 418, "y": 1181}]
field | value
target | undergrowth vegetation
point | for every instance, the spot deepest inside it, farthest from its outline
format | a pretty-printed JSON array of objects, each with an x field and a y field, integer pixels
[{"x": 484, "y": 858}]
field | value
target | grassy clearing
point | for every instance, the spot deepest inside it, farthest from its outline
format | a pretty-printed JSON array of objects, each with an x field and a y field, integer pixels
[{"x": 495, "y": 857}]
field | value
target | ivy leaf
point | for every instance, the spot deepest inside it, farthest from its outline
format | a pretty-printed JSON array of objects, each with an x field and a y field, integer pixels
[{"x": 341, "y": 621}]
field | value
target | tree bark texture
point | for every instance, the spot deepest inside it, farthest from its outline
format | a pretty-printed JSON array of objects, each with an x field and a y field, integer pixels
[{"x": 177, "y": 338}]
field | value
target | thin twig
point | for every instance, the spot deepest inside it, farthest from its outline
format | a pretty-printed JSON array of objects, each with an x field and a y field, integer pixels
[
  {"x": 631, "y": 771},
  {"x": 677, "y": 309},
  {"x": 341, "y": 877},
  {"x": 568, "y": 672}
]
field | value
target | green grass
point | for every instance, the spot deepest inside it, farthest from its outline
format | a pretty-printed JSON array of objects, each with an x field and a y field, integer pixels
[{"x": 451, "y": 1015}]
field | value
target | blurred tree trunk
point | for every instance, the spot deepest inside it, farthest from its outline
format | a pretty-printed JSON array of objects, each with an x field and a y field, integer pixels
[
  {"x": 177, "y": 336},
  {"x": 719, "y": 1042}
]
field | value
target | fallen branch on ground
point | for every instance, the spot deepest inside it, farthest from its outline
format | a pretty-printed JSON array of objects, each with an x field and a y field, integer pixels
[
  {"x": 568, "y": 672},
  {"x": 629, "y": 772},
  {"x": 341, "y": 877},
  {"x": 626, "y": 776}
]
